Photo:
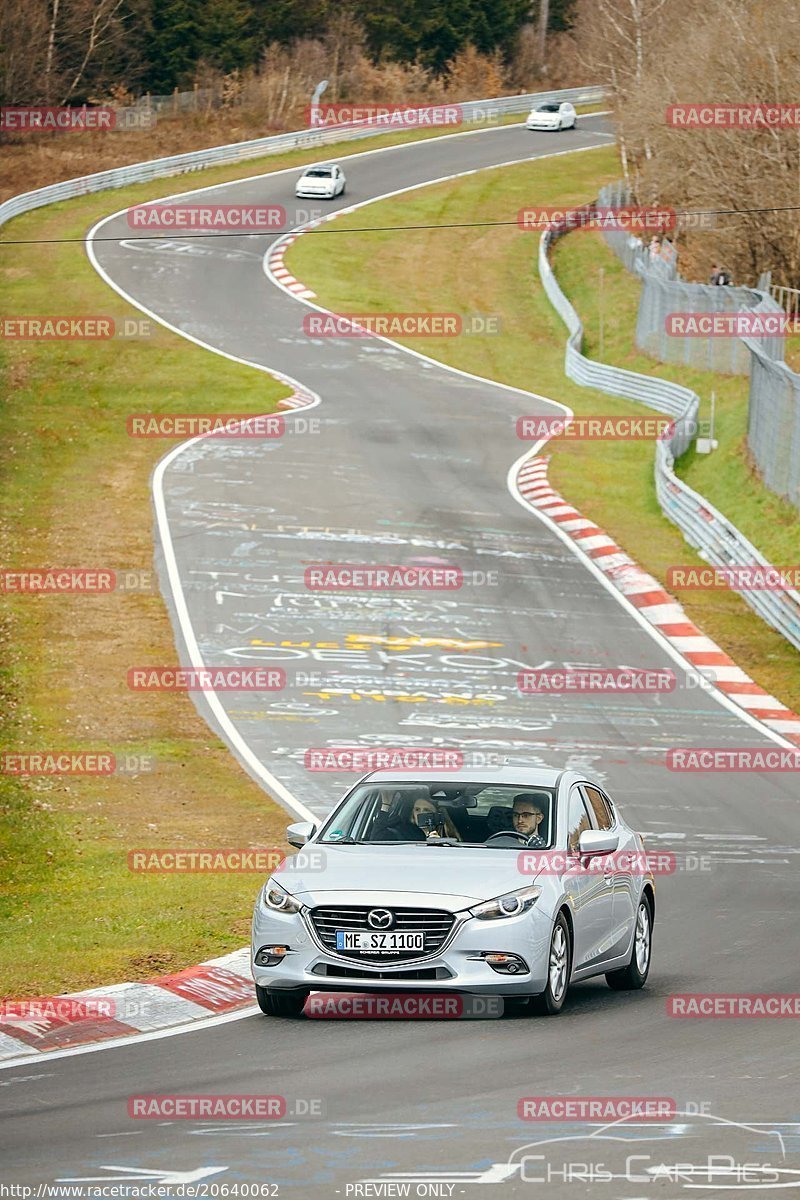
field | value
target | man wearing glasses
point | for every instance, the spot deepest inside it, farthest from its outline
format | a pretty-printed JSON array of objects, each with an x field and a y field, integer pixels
[{"x": 527, "y": 815}]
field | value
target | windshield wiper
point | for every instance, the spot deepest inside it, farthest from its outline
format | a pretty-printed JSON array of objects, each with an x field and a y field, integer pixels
[
  {"x": 348, "y": 841},
  {"x": 438, "y": 842}
]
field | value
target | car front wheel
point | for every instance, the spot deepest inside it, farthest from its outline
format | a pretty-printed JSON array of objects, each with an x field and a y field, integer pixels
[
  {"x": 559, "y": 962},
  {"x": 628, "y": 979},
  {"x": 280, "y": 1004}
]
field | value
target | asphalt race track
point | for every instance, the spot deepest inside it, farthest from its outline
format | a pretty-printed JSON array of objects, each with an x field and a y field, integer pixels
[{"x": 409, "y": 464}]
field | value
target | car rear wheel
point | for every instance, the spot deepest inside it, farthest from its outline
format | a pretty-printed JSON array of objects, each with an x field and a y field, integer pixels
[
  {"x": 280, "y": 1004},
  {"x": 559, "y": 962},
  {"x": 634, "y": 976}
]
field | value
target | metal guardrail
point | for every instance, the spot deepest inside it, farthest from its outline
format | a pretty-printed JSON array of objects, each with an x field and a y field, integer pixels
[
  {"x": 473, "y": 112},
  {"x": 787, "y": 297},
  {"x": 718, "y": 541}
]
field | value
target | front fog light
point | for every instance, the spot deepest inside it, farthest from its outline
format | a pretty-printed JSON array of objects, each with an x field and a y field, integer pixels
[
  {"x": 506, "y": 964},
  {"x": 270, "y": 956}
]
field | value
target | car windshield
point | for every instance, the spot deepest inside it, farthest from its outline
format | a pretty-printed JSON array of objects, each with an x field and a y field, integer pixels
[
  {"x": 319, "y": 173},
  {"x": 550, "y": 108},
  {"x": 502, "y": 816}
]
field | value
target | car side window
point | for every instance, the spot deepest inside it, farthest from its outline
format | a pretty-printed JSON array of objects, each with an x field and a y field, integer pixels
[
  {"x": 577, "y": 820},
  {"x": 603, "y": 815}
]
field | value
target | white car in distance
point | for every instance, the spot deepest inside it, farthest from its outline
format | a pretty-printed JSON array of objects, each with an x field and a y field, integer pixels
[
  {"x": 324, "y": 181},
  {"x": 552, "y": 115}
]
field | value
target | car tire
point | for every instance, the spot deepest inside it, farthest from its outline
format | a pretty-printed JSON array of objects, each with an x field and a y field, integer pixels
[
  {"x": 280, "y": 1004},
  {"x": 634, "y": 976},
  {"x": 559, "y": 966}
]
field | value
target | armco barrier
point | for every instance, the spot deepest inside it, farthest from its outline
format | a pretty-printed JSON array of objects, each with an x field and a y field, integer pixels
[
  {"x": 217, "y": 156},
  {"x": 704, "y": 527}
]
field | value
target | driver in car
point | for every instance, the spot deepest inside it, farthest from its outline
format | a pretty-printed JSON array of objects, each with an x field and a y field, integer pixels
[{"x": 527, "y": 815}]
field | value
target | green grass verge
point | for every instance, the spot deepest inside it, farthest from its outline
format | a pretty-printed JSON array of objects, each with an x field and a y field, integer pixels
[
  {"x": 75, "y": 492},
  {"x": 437, "y": 270}
]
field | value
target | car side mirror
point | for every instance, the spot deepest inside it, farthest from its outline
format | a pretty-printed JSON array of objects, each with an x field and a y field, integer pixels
[
  {"x": 300, "y": 832},
  {"x": 598, "y": 841}
]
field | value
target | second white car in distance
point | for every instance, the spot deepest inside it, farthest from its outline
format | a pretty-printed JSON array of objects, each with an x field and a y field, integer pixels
[
  {"x": 552, "y": 115},
  {"x": 324, "y": 181}
]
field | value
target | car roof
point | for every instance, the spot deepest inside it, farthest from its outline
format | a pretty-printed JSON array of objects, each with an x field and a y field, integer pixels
[{"x": 515, "y": 776}]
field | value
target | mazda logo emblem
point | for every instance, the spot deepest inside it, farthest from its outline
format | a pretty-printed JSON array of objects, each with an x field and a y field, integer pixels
[{"x": 380, "y": 918}]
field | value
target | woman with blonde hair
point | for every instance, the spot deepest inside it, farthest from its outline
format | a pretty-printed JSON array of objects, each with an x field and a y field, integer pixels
[{"x": 423, "y": 807}]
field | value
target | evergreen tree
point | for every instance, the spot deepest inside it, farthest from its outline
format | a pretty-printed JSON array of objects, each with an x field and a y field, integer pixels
[
  {"x": 228, "y": 38},
  {"x": 174, "y": 45}
]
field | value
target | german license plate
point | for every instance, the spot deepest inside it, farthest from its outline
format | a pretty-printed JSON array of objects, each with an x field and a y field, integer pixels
[{"x": 379, "y": 943}]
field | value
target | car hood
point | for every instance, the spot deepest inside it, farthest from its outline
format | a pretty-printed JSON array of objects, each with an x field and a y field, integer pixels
[{"x": 409, "y": 875}]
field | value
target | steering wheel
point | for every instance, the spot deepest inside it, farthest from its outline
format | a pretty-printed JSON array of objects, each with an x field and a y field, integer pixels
[{"x": 521, "y": 837}]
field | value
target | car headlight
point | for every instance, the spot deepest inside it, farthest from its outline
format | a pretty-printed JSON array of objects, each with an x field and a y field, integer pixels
[
  {"x": 276, "y": 898},
  {"x": 509, "y": 905}
]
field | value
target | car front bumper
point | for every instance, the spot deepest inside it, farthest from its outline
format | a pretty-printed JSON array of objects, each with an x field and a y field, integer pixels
[{"x": 456, "y": 967}]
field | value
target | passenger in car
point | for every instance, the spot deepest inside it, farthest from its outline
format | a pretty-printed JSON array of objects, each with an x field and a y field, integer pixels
[
  {"x": 396, "y": 824},
  {"x": 425, "y": 807}
]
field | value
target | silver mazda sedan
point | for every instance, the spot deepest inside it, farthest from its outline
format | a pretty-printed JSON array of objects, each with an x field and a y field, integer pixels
[{"x": 512, "y": 882}]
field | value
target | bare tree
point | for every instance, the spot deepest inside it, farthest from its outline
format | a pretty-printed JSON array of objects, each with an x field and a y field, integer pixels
[
  {"x": 96, "y": 26},
  {"x": 617, "y": 41},
  {"x": 745, "y": 52}
]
